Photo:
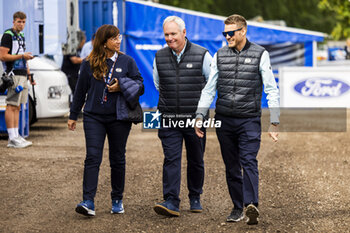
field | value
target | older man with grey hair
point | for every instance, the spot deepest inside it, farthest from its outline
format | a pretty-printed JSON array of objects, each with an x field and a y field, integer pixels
[{"x": 180, "y": 71}]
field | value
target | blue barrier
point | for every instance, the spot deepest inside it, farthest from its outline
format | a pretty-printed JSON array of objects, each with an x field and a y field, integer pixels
[{"x": 23, "y": 127}]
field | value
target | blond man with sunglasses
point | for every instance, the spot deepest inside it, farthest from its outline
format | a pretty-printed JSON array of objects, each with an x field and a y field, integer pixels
[{"x": 238, "y": 73}]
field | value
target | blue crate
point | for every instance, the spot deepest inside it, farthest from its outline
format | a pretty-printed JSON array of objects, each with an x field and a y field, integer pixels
[{"x": 23, "y": 126}]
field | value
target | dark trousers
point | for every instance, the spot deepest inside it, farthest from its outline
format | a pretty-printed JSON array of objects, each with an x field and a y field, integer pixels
[
  {"x": 240, "y": 142},
  {"x": 72, "y": 81},
  {"x": 96, "y": 127},
  {"x": 172, "y": 139}
]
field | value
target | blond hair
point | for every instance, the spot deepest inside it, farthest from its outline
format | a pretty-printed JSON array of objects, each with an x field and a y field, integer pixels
[{"x": 236, "y": 19}]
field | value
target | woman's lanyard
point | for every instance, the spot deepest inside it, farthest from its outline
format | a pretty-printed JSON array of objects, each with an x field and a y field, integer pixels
[{"x": 107, "y": 79}]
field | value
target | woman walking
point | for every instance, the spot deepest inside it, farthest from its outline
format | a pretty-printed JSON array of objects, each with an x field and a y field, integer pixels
[{"x": 109, "y": 85}]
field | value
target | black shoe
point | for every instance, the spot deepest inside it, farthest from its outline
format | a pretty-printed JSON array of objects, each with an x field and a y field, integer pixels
[
  {"x": 235, "y": 216},
  {"x": 252, "y": 214}
]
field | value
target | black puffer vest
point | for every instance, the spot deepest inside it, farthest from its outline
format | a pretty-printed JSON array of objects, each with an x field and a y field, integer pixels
[
  {"x": 180, "y": 84},
  {"x": 239, "y": 83}
]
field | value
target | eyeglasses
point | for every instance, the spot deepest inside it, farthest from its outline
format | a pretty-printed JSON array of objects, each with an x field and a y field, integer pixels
[
  {"x": 117, "y": 38},
  {"x": 231, "y": 33}
]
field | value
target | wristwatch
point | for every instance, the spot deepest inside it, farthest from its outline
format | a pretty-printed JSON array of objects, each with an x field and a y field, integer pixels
[{"x": 275, "y": 123}]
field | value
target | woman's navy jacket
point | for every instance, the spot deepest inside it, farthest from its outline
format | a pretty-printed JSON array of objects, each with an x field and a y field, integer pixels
[{"x": 90, "y": 91}]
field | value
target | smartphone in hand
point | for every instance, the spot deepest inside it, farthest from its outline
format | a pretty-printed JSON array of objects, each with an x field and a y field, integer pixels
[{"x": 112, "y": 82}]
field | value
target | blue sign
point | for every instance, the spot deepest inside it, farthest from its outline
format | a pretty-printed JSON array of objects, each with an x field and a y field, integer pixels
[
  {"x": 151, "y": 120},
  {"x": 321, "y": 87}
]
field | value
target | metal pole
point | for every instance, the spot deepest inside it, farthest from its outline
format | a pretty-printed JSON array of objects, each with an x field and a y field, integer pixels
[{"x": 120, "y": 11}]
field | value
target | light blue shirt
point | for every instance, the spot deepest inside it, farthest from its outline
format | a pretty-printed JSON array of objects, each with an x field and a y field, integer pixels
[
  {"x": 86, "y": 50},
  {"x": 208, "y": 92},
  {"x": 205, "y": 68}
]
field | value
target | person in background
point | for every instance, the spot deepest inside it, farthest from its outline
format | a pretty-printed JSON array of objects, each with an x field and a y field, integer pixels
[
  {"x": 14, "y": 57},
  {"x": 180, "y": 71},
  {"x": 87, "y": 48},
  {"x": 238, "y": 72},
  {"x": 347, "y": 49},
  {"x": 106, "y": 112},
  {"x": 71, "y": 63}
]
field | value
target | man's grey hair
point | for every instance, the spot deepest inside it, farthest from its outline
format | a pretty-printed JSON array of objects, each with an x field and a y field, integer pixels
[{"x": 177, "y": 20}]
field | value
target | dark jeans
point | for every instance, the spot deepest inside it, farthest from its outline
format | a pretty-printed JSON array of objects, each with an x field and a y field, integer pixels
[
  {"x": 172, "y": 140},
  {"x": 96, "y": 127},
  {"x": 240, "y": 142}
]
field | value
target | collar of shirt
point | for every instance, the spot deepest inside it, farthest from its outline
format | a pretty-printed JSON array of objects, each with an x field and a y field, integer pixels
[
  {"x": 115, "y": 56},
  {"x": 178, "y": 57},
  {"x": 246, "y": 46}
]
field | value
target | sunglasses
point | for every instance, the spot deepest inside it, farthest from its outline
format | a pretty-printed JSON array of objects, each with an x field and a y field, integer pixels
[{"x": 231, "y": 33}]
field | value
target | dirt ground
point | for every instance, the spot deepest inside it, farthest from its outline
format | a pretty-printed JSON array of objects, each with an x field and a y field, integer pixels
[{"x": 304, "y": 185}]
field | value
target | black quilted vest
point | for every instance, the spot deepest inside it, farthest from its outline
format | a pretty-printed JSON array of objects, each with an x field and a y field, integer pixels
[
  {"x": 239, "y": 83},
  {"x": 180, "y": 84}
]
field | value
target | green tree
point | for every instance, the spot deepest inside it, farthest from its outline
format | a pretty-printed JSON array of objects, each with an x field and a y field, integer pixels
[
  {"x": 341, "y": 10},
  {"x": 198, "y": 5}
]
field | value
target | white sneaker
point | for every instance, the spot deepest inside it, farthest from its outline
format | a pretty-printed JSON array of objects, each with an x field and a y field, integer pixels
[
  {"x": 17, "y": 143},
  {"x": 29, "y": 143}
]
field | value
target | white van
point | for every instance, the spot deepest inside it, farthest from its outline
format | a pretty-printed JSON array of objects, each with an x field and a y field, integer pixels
[{"x": 51, "y": 92}]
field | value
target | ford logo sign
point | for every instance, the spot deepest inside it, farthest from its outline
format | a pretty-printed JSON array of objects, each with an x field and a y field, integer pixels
[{"x": 321, "y": 87}]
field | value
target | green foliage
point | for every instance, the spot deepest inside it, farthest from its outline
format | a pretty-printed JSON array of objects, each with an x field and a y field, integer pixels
[
  {"x": 198, "y": 5},
  {"x": 341, "y": 10},
  {"x": 297, "y": 13}
]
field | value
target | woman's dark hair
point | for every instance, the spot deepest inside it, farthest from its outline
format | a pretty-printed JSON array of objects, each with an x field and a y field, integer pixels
[{"x": 98, "y": 56}]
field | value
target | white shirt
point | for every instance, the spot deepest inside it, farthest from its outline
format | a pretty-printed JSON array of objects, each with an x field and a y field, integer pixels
[{"x": 86, "y": 50}]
